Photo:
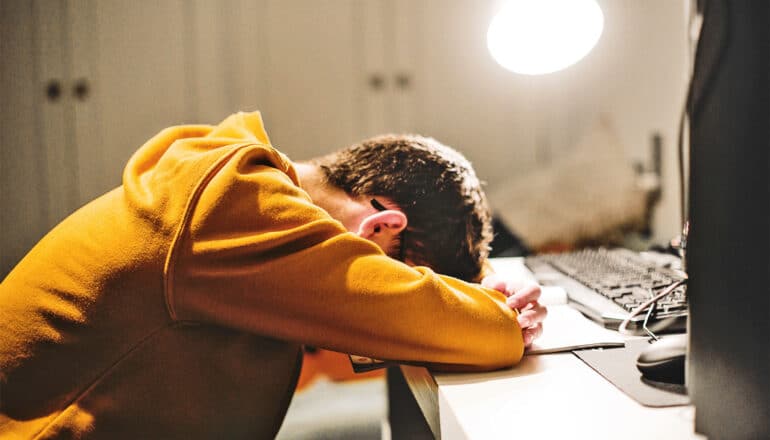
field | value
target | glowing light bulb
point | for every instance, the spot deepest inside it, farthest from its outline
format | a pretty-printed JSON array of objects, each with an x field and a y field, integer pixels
[{"x": 542, "y": 36}]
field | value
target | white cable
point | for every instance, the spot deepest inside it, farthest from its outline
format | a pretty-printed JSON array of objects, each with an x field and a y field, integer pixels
[{"x": 637, "y": 311}]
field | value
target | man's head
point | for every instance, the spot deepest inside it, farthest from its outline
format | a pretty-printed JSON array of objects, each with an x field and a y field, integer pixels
[{"x": 421, "y": 195}]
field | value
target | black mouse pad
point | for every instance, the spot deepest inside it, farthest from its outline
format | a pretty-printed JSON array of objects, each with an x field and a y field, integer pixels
[{"x": 618, "y": 365}]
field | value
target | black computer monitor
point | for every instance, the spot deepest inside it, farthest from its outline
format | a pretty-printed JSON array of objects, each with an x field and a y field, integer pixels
[{"x": 728, "y": 252}]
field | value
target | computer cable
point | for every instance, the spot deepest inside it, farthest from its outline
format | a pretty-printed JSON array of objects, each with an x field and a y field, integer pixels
[{"x": 662, "y": 324}]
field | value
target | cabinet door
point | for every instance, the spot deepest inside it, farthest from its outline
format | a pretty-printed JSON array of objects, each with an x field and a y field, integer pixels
[
  {"x": 57, "y": 159},
  {"x": 385, "y": 33},
  {"x": 23, "y": 174},
  {"x": 313, "y": 76},
  {"x": 374, "y": 33},
  {"x": 403, "y": 47},
  {"x": 134, "y": 61},
  {"x": 226, "y": 65}
]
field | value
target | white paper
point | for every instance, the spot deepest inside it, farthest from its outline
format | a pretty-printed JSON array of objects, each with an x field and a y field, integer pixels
[{"x": 566, "y": 329}]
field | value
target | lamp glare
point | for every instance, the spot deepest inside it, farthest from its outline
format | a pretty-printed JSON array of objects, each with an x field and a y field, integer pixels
[{"x": 535, "y": 37}]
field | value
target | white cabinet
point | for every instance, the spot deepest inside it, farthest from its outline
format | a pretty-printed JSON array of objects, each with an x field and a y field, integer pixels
[
  {"x": 343, "y": 70},
  {"x": 334, "y": 72},
  {"x": 388, "y": 32},
  {"x": 23, "y": 178},
  {"x": 89, "y": 81},
  {"x": 324, "y": 73},
  {"x": 311, "y": 74},
  {"x": 136, "y": 61},
  {"x": 84, "y": 83}
]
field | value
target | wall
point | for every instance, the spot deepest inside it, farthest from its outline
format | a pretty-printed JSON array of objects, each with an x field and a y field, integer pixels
[
  {"x": 508, "y": 123},
  {"x": 306, "y": 65},
  {"x": 637, "y": 76}
]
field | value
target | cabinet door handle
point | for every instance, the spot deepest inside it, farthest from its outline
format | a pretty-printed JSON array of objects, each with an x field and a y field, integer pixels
[
  {"x": 403, "y": 81},
  {"x": 81, "y": 89},
  {"x": 376, "y": 81},
  {"x": 53, "y": 90}
]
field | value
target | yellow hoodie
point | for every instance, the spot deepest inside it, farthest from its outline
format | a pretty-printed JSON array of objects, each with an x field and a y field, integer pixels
[{"x": 174, "y": 306}]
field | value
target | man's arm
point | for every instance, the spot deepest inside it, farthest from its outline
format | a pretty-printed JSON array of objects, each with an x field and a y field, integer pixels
[{"x": 257, "y": 255}]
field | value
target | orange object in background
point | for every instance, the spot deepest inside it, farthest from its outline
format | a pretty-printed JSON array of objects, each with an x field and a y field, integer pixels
[{"x": 332, "y": 365}]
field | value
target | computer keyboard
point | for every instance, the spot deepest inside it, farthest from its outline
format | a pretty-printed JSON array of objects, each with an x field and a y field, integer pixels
[{"x": 606, "y": 284}]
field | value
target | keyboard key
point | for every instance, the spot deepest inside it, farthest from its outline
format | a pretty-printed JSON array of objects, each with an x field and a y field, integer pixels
[{"x": 627, "y": 299}]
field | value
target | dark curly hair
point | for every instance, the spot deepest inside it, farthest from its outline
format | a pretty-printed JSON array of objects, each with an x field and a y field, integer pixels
[{"x": 449, "y": 225}]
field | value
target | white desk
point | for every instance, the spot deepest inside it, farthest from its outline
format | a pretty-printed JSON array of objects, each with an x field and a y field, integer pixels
[{"x": 552, "y": 396}]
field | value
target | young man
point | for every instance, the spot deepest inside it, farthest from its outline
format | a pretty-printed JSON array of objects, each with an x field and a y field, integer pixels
[{"x": 175, "y": 306}]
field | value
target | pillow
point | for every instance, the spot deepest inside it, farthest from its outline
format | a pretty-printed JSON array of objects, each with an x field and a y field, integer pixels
[{"x": 588, "y": 196}]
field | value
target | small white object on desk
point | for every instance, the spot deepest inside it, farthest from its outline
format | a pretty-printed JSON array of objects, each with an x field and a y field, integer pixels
[{"x": 566, "y": 329}]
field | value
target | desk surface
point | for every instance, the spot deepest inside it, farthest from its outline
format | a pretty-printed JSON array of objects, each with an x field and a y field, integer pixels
[{"x": 545, "y": 396}]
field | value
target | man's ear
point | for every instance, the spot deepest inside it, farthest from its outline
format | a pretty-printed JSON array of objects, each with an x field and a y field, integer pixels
[{"x": 382, "y": 225}]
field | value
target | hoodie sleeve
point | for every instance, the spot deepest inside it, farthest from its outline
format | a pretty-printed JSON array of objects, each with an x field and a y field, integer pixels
[{"x": 254, "y": 253}]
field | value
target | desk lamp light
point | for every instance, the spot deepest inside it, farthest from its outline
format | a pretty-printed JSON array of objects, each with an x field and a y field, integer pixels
[{"x": 535, "y": 37}]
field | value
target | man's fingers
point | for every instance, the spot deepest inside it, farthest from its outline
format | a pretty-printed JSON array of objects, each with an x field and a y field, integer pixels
[
  {"x": 523, "y": 296},
  {"x": 532, "y": 315},
  {"x": 495, "y": 282},
  {"x": 532, "y": 333}
]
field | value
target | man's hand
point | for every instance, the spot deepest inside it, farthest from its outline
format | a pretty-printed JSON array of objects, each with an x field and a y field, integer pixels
[{"x": 522, "y": 296}]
